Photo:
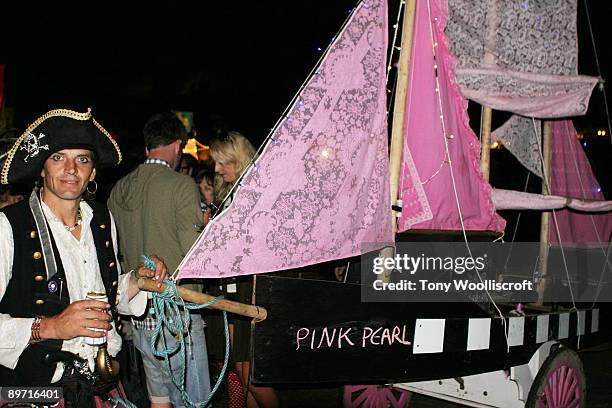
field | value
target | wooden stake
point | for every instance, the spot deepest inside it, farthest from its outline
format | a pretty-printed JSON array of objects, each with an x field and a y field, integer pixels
[
  {"x": 485, "y": 141},
  {"x": 545, "y": 220},
  {"x": 256, "y": 312}
]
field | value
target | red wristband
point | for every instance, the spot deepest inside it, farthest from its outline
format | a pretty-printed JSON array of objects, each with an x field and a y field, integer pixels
[{"x": 36, "y": 328}]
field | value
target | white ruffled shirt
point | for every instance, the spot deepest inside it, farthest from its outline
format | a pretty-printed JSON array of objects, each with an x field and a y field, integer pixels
[{"x": 80, "y": 262}]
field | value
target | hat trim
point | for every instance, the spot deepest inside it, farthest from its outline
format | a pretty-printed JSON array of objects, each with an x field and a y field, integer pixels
[{"x": 56, "y": 112}]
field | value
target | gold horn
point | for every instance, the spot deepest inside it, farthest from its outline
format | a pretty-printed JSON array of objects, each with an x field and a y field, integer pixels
[{"x": 106, "y": 367}]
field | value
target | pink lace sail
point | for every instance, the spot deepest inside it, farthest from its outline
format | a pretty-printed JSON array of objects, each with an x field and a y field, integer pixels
[
  {"x": 426, "y": 185},
  {"x": 320, "y": 187}
]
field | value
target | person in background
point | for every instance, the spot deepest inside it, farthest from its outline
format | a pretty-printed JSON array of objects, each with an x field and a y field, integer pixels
[
  {"x": 158, "y": 211},
  {"x": 8, "y": 196},
  {"x": 232, "y": 155},
  {"x": 205, "y": 179},
  {"x": 8, "y": 193},
  {"x": 188, "y": 165}
]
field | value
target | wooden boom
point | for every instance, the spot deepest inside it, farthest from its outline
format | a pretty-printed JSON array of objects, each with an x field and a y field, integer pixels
[{"x": 256, "y": 312}]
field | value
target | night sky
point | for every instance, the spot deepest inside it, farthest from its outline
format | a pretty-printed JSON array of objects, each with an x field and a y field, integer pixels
[{"x": 235, "y": 64}]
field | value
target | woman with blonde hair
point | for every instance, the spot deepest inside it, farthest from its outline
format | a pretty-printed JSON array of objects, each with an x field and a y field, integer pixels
[{"x": 232, "y": 155}]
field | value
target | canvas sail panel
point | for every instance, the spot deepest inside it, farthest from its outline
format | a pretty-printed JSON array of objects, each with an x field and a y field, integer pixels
[
  {"x": 425, "y": 138},
  {"x": 320, "y": 187},
  {"x": 519, "y": 56},
  {"x": 572, "y": 176}
]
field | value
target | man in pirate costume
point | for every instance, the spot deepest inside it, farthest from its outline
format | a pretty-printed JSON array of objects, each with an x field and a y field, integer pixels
[{"x": 56, "y": 248}]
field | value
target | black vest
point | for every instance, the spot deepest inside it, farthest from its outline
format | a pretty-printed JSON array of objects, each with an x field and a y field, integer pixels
[{"x": 30, "y": 294}]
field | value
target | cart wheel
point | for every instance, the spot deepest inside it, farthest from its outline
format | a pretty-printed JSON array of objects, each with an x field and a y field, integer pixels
[
  {"x": 560, "y": 383},
  {"x": 375, "y": 396}
]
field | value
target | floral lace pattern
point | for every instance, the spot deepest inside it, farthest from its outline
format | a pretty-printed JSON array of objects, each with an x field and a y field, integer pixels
[
  {"x": 520, "y": 136},
  {"x": 319, "y": 190},
  {"x": 517, "y": 55}
]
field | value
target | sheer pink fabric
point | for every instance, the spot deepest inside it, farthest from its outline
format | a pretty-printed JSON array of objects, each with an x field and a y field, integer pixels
[
  {"x": 518, "y": 200},
  {"x": 426, "y": 185},
  {"x": 320, "y": 188},
  {"x": 572, "y": 176}
]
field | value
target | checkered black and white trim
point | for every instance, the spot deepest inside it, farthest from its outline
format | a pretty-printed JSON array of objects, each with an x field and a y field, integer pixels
[{"x": 452, "y": 335}]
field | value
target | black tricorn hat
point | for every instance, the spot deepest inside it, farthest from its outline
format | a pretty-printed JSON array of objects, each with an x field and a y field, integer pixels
[{"x": 56, "y": 130}]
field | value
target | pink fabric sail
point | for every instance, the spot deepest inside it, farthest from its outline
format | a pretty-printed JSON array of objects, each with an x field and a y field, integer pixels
[
  {"x": 433, "y": 119},
  {"x": 320, "y": 188},
  {"x": 572, "y": 176}
]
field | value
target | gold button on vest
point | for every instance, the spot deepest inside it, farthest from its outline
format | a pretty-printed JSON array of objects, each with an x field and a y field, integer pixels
[
  {"x": 40, "y": 302},
  {"x": 103, "y": 226},
  {"x": 36, "y": 255},
  {"x": 33, "y": 234},
  {"x": 39, "y": 278}
]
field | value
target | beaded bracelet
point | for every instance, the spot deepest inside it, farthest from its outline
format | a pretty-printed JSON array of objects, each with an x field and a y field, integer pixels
[{"x": 36, "y": 328}]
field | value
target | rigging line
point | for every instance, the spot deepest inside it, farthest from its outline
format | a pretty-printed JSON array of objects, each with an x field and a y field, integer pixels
[
  {"x": 518, "y": 220},
  {"x": 584, "y": 196},
  {"x": 582, "y": 189},
  {"x": 447, "y": 152},
  {"x": 606, "y": 263},
  {"x": 391, "y": 92},
  {"x": 591, "y": 217},
  {"x": 282, "y": 117},
  {"x": 395, "y": 31},
  {"x": 601, "y": 81},
  {"x": 554, "y": 214},
  {"x": 391, "y": 96}
]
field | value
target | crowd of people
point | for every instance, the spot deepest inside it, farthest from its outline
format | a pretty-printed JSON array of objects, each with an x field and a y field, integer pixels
[{"x": 69, "y": 269}]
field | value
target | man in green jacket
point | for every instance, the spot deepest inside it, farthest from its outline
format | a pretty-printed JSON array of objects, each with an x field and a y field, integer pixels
[{"x": 157, "y": 211}]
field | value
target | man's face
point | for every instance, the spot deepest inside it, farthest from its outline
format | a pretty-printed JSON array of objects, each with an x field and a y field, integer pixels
[{"x": 67, "y": 172}]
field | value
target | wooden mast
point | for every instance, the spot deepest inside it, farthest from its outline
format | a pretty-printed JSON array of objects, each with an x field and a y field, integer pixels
[
  {"x": 399, "y": 106},
  {"x": 487, "y": 112},
  {"x": 545, "y": 220},
  {"x": 485, "y": 141},
  {"x": 398, "y": 124}
]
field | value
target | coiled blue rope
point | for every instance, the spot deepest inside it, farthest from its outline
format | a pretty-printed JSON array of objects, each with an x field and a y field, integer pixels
[{"x": 176, "y": 319}]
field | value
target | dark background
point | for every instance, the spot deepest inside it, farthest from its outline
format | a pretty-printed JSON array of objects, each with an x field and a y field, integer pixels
[{"x": 235, "y": 64}]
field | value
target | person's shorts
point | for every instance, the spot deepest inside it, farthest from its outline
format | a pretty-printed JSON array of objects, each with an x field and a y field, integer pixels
[{"x": 159, "y": 384}]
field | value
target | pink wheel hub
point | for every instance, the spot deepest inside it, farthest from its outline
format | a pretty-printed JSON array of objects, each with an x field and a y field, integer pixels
[
  {"x": 375, "y": 396},
  {"x": 562, "y": 390}
]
